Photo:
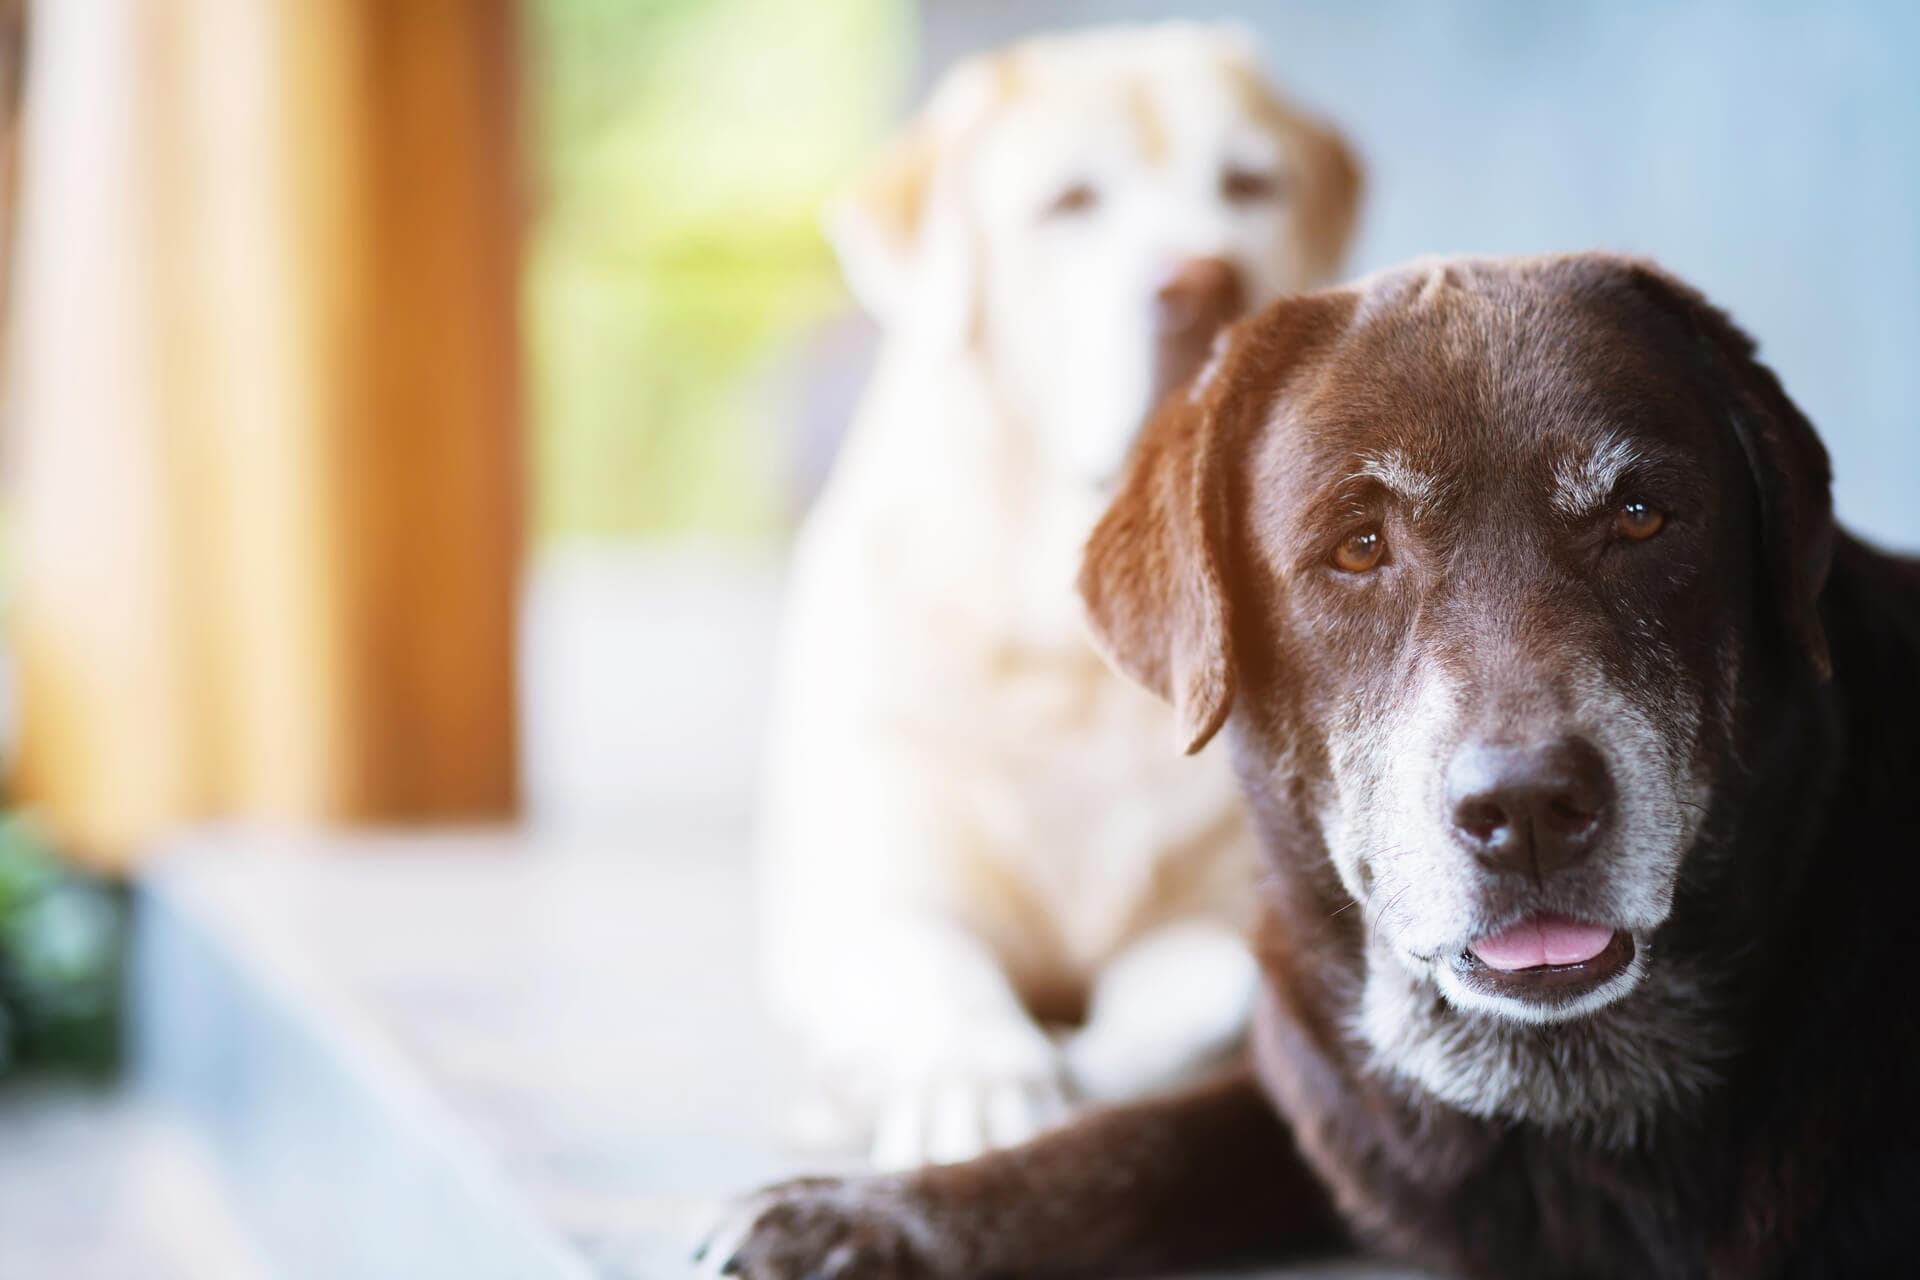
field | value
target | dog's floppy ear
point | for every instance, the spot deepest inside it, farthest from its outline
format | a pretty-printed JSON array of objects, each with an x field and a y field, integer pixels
[
  {"x": 875, "y": 225},
  {"x": 1788, "y": 462},
  {"x": 1328, "y": 178},
  {"x": 1158, "y": 570},
  {"x": 1330, "y": 187},
  {"x": 897, "y": 230}
]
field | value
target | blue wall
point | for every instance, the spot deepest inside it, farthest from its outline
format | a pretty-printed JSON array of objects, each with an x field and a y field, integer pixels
[{"x": 1768, "y": 152}]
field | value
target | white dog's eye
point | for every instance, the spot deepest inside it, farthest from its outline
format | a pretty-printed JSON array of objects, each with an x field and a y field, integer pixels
[
  {"x": 1074, "y": 200},
  {"x": 1241, "y": 185}
]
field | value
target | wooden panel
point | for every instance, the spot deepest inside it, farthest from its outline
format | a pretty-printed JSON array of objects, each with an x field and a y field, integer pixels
[
  {"x": 96, "y": 638},
  {"x": 435, "y": 614},
  {"x": 266, "y": 399}
]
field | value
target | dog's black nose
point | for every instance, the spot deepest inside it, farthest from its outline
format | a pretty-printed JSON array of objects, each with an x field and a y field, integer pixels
[
  {"x": 1200, "y": 296},
  {"x": 1530, "y": 810}
]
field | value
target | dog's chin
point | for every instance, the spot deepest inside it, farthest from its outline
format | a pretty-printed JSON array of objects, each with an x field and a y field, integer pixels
[{"x": 1545, "y": 993}]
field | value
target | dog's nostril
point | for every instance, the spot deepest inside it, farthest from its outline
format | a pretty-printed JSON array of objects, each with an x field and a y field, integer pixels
[
  {"x": 1528, "y": 809},
  {"x": 1572, "y": 815},
  {"x": 1482, "y": 820}
]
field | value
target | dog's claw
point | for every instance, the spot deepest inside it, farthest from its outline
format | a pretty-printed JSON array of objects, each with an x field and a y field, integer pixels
[{"x": 823, "y": 1229}]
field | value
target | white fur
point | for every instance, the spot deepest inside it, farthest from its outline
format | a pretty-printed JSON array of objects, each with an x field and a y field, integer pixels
[
  {"x": 966, "y": 807},
  {"x": 1602, "y": 1075},
  {"x": 1216, "y": 357},
  {"x": 1426, "y": 900},
  {"x": 1393, "y": 469},
  {"x": 1178, "y": 996},
  {"x": 1586, "y": 482}
]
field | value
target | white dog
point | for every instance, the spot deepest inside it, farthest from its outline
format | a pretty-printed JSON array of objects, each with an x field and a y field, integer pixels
[{"x": 975, "y": 834}]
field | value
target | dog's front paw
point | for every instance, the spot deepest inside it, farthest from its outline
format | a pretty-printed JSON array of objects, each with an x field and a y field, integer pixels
[
  {"x": 830, "y": 1229},
  {"x": 996, "y": 1087}
]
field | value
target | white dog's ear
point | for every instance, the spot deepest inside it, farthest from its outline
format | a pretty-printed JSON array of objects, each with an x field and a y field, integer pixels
[
  {"x": 875, "y": 226},
  {"x": 1330, "y": 180},
  {"x": 1331, "y": 186},
  {"x": 901, "y": 230}
]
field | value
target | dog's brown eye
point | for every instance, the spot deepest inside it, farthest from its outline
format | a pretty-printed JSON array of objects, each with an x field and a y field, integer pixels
[
  {"x": 1078, "y": 198},
  {"x": 1638, "y": 521},
  {"x": 1359, "y": 551},
  {"x": 1249, "y": 186}
]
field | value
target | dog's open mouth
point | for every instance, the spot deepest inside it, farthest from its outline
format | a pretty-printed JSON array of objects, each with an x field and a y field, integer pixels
[{"x": 1546, "y": 959}]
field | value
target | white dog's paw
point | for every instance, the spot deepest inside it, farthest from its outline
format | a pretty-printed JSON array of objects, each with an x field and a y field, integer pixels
[
  {"x": 957, "y": 1118},
  {"x": 1169, "y": 1006},
  {"x": 992, "y": 1086}
]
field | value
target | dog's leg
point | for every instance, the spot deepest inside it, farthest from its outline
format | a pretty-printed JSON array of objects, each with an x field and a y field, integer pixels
[
  {"x": 921, "y": 1028},
  {"x": 1169, "y": 1006},
  {"x": 1204, "y": 1178}
]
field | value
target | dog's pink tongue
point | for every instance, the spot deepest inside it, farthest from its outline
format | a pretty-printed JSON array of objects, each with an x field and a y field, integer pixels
[{"x": 1543, "y": 940}]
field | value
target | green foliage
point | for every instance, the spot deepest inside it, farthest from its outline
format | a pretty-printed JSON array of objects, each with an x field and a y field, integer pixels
[
  {"x": 61, "y": 944},
  {"x": 685, "y": 147}
]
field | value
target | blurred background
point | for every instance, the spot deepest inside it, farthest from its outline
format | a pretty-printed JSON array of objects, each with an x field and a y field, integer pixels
[{"x": 406, "y": 407}]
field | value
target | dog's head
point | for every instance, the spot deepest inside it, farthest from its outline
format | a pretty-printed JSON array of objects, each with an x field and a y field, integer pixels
[
  {"x": 1487, "y": 560},
  {"x": 1086, "y": 210}
]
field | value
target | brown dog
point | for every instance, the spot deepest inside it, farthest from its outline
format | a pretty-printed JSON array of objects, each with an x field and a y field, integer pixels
[{"x": 1582, "y": 746}]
